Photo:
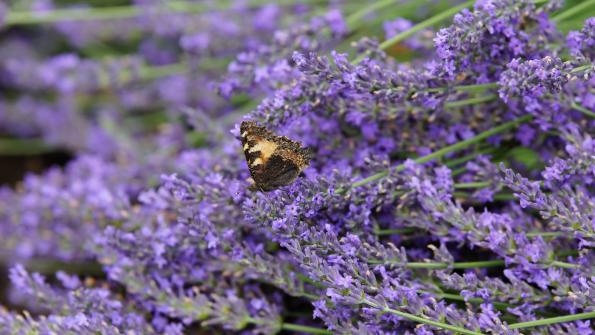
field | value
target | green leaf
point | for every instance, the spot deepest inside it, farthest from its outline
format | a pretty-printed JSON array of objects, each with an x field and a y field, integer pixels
[
  {"x": 196, "y": 139},
  {"x": 525, "y": 156}
]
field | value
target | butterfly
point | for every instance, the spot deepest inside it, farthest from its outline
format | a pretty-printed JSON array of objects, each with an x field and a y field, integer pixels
[{"x": 273, "y": 161}]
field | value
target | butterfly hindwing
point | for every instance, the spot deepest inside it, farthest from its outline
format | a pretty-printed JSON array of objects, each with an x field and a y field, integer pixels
[
  {"x": 273, "y": 161},
  {"x": 278, "y": 172}
]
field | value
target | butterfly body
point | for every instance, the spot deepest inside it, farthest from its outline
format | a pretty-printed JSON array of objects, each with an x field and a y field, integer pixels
[{"x": 273, "y": 161}]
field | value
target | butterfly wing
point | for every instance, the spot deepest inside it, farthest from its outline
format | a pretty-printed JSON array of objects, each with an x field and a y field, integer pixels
[
  {"x": 279, "y": 171},
  {"x": 258, "y": 145},
  {"x": 273, "y": 161}
]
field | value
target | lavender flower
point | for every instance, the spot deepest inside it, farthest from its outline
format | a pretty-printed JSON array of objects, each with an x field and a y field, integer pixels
[
  {"x": 568, "y": 209},
  {"x": 403, "y": 222},
  {"x": 421, "y": 42},
  {"x": 50, "y": 209},
  {"x": 482, "y": 170},
  {"x": 341, "y": 264},
  {"x": 545, "y": 88},
  {"x": 267, "y": 66},
  {"x": 68, "y": 73},
  {"x": 494, "y": 33},
  {"x": 581, "y": 43},
  {"x": 77, "y": 309}
]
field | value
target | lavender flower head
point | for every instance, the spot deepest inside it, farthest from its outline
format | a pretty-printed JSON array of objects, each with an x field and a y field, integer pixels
[
  {"x": 581, "y": 43},
  {"x": 494, "y": 33}
]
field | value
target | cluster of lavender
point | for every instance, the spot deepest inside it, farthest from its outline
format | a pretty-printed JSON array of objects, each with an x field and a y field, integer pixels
[{"x": 451, "y": 188}]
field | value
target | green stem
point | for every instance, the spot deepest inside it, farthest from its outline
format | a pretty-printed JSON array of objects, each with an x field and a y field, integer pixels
[
  {"x": 354, "y": 18},
  {"x": 422, "y": 25},
  {"x": 581, "y": 68},
  {"x": 567, "y": 253},
  {"x": 565, "y": 265},
  {"x": 310, "y": 281},
  {"x": 573, "y": 10},
  {"x": 442, "y": 265},
  {"x": 480, "y": 137},
  {"x": 457, "y": 265},
  {"x": 458, "y": 172},
  {"x": 546, "y": 234},
  {"x": 399, "y": 231},
  {"x": 549, "y": 321},
  {"x": 451, "y": 148},
  {"x": 410, "y": 230},
  {"x": 470, "y": 101},
  {"x": 469, "y": 157},
  {"x": 504, "y": 197},
  {"x": 450, "y": 296},
  {"x": 497, "y": 196},
  {"x": 24, "y": 147},
  {"x": 49, "y": 266},
  {"x": 119, "y": 12},
  {"x": 154, "y": 72},
  {"x": 148, "y": 73},
  {"x": 422, "y": 320},
  {"x": 425, "y": 24},
  {"x": 477, "y": 184},
  {"x": 583, "y": 110},
  {"x": 304, "y": 329},
  {"x": 456, "y": 297},
  {"x": 474, "y": 88},
  {"x": 71, "y": 14}
]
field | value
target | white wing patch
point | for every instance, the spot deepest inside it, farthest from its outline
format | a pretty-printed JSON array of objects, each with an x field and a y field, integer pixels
[
  {"x": 257, "y": 161},
  {"x": 266, "y": 149}
]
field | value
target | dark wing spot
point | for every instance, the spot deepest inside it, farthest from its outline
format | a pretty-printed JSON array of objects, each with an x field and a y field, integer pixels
[{"x": 278, "y": 172}]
